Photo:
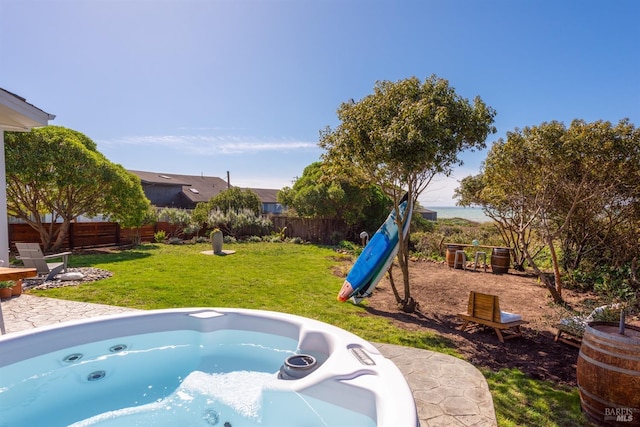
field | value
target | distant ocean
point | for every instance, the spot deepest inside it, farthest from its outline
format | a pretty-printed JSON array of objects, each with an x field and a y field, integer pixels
[{"x": 472, "y": 214}]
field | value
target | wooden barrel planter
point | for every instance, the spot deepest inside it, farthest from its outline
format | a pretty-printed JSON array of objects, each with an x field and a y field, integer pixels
[
  {"x": 451, "y": 254},
  {"x": 500, "y": 260},
  {"x": 608, "y": 373}
]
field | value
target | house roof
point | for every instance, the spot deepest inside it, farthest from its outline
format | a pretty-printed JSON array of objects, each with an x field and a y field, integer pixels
[
  {"x": 425, "y": 210},
  {"x": 195, "y": 188},
  {"x": 16, "y": 114},
  {"x": 160, "y": 178},
  {"x": 266, "y": 195},
  {"x": 198, "y": 188}
]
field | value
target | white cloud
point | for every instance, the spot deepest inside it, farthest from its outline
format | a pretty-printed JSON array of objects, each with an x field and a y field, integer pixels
[
  {"x": 440, "y": 191},
  {"x": 212, "y": 145}
]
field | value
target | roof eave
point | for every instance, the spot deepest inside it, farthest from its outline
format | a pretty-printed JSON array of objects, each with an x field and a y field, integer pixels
[{"x": 16, "y": 114}]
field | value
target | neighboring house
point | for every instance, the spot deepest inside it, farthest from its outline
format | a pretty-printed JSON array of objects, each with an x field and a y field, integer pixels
[
  {"x": 269, "y": 200},
  {"x": 186, "y": 191},
  {"x": 179, "y": 191}
]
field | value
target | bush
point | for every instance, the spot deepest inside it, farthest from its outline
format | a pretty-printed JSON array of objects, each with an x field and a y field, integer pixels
[
  {"x": 200, "y": 239},
  {"x": 608, "y": 282},
  {"x": 349, "y": 247},
  {"x": 160, "y": 236},
  {"x": 427, "y": 245},
  {"x": 229, "y": 239},
  {"x": 238, "y": 223},
  {"x": 418, "y": 223},
  {"x": 180, "y": 218}
]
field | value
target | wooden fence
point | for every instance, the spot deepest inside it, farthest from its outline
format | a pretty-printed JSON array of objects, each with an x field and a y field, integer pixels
[
  {"x": 91, "y": 234},
  {"x": 96, "y": 234},
  {"x": 323, "y": 231}
]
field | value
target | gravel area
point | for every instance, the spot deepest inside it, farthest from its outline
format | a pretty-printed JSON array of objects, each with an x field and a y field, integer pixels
[{"x": 90, "y": 274}]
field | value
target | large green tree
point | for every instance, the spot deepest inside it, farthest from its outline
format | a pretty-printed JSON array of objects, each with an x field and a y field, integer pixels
[
  {"x": 236, "y": 199},
  {"x": 317, "y": 195},
  {"x": 401, "y": 137},
  {"x": 576, "y": 188},
  {"x": 59, "y": 171}
]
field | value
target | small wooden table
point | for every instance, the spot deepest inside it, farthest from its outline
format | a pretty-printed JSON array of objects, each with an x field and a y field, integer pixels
[{"x": 10, "y": 273}]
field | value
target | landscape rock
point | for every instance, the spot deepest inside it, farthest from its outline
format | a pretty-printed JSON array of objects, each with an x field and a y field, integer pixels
[{"x": 81, "y": 274}]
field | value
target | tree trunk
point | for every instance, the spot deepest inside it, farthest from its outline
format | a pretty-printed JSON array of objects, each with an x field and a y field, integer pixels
[
  {"x": 407, "y": 304},
  {"x": 556, "y": 267},
  {"x": 62, "y": 232},
  {"x": 396, "y": 294},
  {"x": 557, "y": 298}
]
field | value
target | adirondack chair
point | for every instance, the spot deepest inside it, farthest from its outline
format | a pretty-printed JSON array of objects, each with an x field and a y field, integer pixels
[
  {"x": 485, "y": 310},
  {"x": 32, "y": 257}
]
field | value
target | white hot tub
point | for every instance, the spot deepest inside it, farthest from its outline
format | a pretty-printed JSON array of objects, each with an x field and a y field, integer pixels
[{"x": 199, "y": 367}]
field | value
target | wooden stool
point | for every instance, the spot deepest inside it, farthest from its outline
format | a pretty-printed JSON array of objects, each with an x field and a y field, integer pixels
[
  {"x": 482, "y": 255},
  {"x": 463, "y": 260}
]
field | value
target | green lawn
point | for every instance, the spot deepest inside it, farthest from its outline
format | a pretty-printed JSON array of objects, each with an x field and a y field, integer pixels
[{"x": 297, "y": 279}]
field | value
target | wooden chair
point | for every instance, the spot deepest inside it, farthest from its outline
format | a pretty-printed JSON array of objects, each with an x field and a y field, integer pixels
[
  {"x": 32, "y": 257},
  {"x": 484, "y": 309}
]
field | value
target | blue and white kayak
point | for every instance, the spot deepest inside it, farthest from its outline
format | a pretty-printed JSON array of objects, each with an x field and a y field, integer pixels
[{"x": 376, "y": 258}]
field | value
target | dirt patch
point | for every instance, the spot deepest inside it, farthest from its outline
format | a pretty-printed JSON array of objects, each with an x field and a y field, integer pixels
[{"x": 442, "y": 292}]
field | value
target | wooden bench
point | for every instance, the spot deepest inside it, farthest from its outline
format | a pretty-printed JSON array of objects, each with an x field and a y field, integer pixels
[
  {"x": 571, "y": 329},
  {"x": 484, "y": 309},
  {"x": 571, "y": 336}
]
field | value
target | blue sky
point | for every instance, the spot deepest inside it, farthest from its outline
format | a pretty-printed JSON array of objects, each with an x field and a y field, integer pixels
[{"x": 245, "y": 86}]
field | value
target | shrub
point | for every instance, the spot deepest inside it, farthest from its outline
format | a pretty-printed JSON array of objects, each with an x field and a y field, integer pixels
[
  {"x": 180, "y": 218},
  {"x": 280, "y": 234},
  {"x": 349, "y": 247},
  {"x": 159, "y": 236},
  {"x": 7, "y": 284},
  {"x": 244, "y": 221},
  {"x": 608, "y": 282},
  {"x": 418, "y": 223},
  {"x": 192, "y": 229},
  {"x": 427, "y": 245},
  {"x": 229, "y": 239}
]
